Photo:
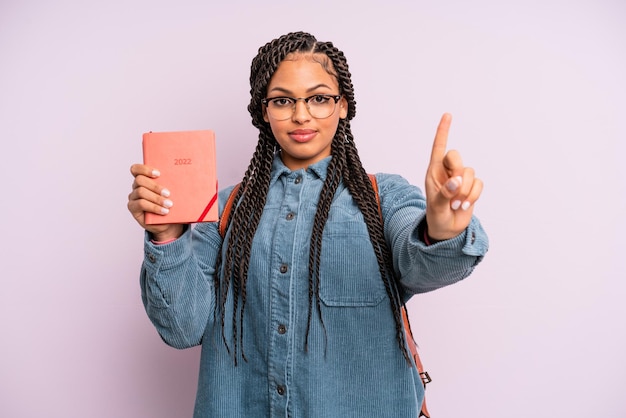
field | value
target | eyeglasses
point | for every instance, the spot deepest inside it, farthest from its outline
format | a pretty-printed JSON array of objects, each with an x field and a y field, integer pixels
[{"x": 320, "y": 106}]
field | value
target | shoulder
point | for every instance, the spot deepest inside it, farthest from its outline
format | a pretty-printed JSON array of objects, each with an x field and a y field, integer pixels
[
  {"x": 390, "y": 184},
  {"x": 395, "y": 190}
]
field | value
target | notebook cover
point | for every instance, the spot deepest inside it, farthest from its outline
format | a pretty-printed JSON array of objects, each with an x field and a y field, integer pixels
[{"x": 186, "y": 161}]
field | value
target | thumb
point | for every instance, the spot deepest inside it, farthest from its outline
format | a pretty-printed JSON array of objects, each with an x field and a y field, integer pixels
[{"x": 447, "y": 191}]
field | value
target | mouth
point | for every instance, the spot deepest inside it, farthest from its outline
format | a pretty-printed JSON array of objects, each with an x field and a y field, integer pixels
[{"x": 302, "y": 135}]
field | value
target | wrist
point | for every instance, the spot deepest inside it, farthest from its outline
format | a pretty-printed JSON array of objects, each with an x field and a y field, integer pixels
[
  {"x": 171, "y": 234},
  {"x": 430, "y": 238}
]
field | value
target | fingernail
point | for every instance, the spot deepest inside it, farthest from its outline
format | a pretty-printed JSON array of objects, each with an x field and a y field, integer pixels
[
  {"x": 168, "y": 203},
  {"x": 456, "y": 204},
  {"x": 165, "y": 211},
  {"x": 156, "y": 173},
  {"x": 466, "y": 205},
  {"x": 455, "y": 183},
  {"x": 165, "y": 193}
]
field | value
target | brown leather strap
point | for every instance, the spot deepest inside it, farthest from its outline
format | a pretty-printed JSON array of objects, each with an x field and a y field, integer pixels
[
  {"x": 228, "y": 207},
  {"x": 418, "y": 363}
]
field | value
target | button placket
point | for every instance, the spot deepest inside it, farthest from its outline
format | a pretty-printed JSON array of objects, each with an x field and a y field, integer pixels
[{"x": 281, "y": 287}]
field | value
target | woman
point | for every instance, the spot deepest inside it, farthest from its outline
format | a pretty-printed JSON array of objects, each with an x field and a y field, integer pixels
[{"x": 298, "y": 307}]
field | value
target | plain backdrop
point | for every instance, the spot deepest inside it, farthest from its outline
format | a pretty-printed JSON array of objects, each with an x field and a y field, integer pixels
[{"x": 537, "y": 92}]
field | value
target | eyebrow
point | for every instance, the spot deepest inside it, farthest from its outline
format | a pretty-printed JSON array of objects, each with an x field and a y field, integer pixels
[{"x": 309, "y": 90}]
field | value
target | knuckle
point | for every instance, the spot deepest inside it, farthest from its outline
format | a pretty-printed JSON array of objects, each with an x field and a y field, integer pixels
[{"x": 141, "y": 192}]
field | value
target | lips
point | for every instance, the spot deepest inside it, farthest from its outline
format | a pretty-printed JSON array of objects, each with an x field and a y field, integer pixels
[{"x": 302, "y": 135}]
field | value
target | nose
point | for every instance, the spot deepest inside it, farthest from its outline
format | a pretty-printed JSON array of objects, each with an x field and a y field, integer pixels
[{"x": 300, "y": 112}]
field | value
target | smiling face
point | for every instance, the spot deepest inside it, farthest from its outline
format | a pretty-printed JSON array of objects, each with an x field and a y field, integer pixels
[{"x": 303, "y": 139}]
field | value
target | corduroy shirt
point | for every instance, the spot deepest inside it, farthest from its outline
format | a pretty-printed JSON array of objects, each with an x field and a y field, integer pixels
[{"x": 353, "y": 369}]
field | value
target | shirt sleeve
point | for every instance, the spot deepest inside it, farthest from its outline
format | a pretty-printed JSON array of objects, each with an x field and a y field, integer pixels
[
  {"x": 177, "y": 285},
  {"x": 419, "y": 266}
]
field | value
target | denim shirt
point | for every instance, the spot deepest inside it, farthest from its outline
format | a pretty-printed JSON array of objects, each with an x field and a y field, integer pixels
[{"x": 355, "y": 367}]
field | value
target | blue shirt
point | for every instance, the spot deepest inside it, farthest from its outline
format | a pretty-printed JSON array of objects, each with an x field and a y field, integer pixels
[{"x": 356, "y": 369}]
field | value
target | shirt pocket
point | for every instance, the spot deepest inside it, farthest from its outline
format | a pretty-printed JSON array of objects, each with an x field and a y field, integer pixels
[{"x": 349, "y": 274}]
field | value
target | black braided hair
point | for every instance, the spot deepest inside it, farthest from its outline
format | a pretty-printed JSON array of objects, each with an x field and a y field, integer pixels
[{"x": 345, "y": 166}]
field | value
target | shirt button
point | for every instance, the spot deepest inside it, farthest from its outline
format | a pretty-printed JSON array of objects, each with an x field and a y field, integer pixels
[
  {"x": 473, "y": 237},
  {"x": 282, "y": 329},
  {"x": 290, "y": 216},
  {"x": 152, "y": 258},
  {"x": 281, "y": 390},
  {"x": 298, "y": 180},
  {"x": 283, "y": 268}
]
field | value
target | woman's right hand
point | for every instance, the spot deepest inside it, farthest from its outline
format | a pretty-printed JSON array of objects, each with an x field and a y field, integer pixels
[{"x": 149, "y": 196}]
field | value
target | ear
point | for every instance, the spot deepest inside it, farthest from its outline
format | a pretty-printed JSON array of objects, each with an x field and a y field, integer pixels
[{"x": 343, "y": 108}]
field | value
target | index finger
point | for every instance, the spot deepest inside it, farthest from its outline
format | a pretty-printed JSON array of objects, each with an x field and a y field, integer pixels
[
  {"x": 441, "y": 139},
  {"x": 144, "y": 170}
]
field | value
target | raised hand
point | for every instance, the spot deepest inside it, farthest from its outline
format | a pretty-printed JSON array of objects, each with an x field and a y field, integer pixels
[
  {"x": 451, "y": 188},
  {"x": 148, "y": 196}
]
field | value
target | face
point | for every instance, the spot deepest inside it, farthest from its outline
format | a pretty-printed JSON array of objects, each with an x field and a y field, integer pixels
[{"x": 303, "y": 139}]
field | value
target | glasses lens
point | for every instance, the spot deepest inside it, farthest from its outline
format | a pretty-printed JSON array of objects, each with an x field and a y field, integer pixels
[
  {"x": 280, "y": 108},
  {"x": 319, "y": 106}
]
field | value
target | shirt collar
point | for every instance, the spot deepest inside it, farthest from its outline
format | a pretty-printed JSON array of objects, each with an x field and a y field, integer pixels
[{"x": 279, "y": 168}]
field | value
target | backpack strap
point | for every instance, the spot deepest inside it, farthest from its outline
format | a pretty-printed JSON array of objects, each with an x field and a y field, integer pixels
[
  {"x": 228, "y": 207},
  {"x": 407, "y": 325}
]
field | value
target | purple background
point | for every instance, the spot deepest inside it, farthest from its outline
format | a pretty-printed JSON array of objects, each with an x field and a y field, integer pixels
[{"x": 537, "y": 92}]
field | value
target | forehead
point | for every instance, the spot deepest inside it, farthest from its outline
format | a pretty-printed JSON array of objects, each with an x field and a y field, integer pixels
[{"x": 304, "y": 72}]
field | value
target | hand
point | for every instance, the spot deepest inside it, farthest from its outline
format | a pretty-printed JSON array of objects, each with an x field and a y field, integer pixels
[
  {"x": 148, "y": 196},
  {"x": 451, "y": 188}
]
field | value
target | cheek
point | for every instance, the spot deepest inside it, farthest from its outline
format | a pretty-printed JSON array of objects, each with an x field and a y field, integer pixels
[
  {"x": 332, "y": 124},
  {"x": 274, "y": 126},
  {"x": 277, "y": 129}
]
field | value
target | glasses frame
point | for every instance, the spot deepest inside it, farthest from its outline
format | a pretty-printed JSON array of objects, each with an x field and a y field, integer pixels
[{"x": 335, "y": 97}]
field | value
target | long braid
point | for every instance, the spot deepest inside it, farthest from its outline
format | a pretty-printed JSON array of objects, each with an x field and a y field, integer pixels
[
  {"x": 252, "y": 193},
  {"x": 345, "y": 166},
  {"x": 357, "y": 181},
  {"x": 362, "y": 192},
  {"x": 242, "y": 225}
]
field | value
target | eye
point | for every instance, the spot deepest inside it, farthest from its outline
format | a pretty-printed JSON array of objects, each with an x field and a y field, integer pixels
[
  {"x": 320, "y": 99},
  {"x": 281, "y": 102}
]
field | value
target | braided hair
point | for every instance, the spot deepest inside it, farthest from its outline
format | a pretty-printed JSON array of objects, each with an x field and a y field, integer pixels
[{"x": 345, "y": 166}]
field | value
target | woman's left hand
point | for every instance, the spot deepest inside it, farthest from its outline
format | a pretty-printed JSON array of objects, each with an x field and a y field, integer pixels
[{"x": 451, "y": 188}]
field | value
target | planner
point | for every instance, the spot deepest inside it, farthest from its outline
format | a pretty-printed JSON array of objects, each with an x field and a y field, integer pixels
[{"x": 186, "y": 160}]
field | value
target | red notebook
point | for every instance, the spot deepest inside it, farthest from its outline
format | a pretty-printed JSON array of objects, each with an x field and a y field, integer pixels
[{"x": 186, "y": 161}]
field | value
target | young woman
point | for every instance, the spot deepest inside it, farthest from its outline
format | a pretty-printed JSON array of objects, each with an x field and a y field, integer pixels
[{"x": 298, "y": 307}]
